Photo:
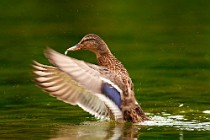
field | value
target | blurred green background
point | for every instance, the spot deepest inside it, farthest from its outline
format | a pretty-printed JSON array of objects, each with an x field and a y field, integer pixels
[{"x": 163, "y": 44}]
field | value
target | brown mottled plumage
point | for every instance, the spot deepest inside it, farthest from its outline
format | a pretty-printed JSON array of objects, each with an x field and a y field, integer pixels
[
  {"x": 105, "y": 91},
  {"x": 131, "y": 110}
]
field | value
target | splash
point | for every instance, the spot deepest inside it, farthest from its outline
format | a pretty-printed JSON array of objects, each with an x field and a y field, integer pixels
[
  {"x": 177, "y": 121},
  {"x": 206, "y": 111}
]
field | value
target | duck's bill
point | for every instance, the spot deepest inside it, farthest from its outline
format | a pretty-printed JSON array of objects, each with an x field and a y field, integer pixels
[{"x": 73, "y": 48}]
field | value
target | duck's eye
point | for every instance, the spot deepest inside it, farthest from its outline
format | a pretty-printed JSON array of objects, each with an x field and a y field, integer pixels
[{"x": 87, "y": 40}]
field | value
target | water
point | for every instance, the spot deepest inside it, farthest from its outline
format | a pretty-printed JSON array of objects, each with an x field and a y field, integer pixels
[{"x": 164, "y": 45}]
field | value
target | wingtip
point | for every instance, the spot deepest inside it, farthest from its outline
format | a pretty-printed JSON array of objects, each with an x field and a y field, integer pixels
[
  {"x": 35, "y": 66},
  {"x": 35, "y": 63},
  {"x": 47, "y": 52},
  {"x": 50, "y": 54}
]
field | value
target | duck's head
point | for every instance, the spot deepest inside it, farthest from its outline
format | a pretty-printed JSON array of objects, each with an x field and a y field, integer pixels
[{"x": 91, "y": 42}]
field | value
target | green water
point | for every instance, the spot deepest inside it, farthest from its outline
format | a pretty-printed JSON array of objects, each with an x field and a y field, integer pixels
[{"x": 163, "y": 44}]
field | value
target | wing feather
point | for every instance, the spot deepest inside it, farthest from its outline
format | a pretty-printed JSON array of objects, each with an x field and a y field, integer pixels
[
  {"x": 69, "y": 91},
  {"x": 79, "y": 72},
  {"x": 78, "y": 83}
]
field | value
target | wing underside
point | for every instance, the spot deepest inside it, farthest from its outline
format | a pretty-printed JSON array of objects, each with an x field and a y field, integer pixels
[
  {"x": 61, "y": 86},
  {"x": 75, "y": 82}
]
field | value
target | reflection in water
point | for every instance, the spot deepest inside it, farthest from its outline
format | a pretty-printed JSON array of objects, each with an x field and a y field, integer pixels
[
  {"x": 97, "y": 130},
  {"x": 113, "y": 131}
]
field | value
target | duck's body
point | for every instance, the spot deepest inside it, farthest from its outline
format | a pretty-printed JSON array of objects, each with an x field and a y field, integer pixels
[{"x": 105, "y": 91}]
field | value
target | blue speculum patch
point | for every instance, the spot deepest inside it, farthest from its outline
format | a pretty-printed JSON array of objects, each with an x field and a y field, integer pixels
[{"x": 112, "y": 93}]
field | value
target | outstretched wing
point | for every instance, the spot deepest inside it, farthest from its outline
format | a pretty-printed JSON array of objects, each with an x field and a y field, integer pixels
[
  {"x": 75, "y": 82},
  {"x": 60, "y": 85}
]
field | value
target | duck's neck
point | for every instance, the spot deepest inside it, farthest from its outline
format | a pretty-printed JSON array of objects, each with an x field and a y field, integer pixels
[{"x": 109, "y": 61}]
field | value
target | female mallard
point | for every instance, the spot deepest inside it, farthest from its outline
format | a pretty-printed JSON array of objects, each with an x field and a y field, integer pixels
[{"x": 105, "y": 91}]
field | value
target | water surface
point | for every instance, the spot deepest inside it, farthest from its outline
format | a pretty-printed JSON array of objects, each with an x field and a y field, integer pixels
[{"x": 163, "y": 44}]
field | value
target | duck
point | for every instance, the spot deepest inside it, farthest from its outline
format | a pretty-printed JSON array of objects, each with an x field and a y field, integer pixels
[{"x": 104, "y": 90}]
